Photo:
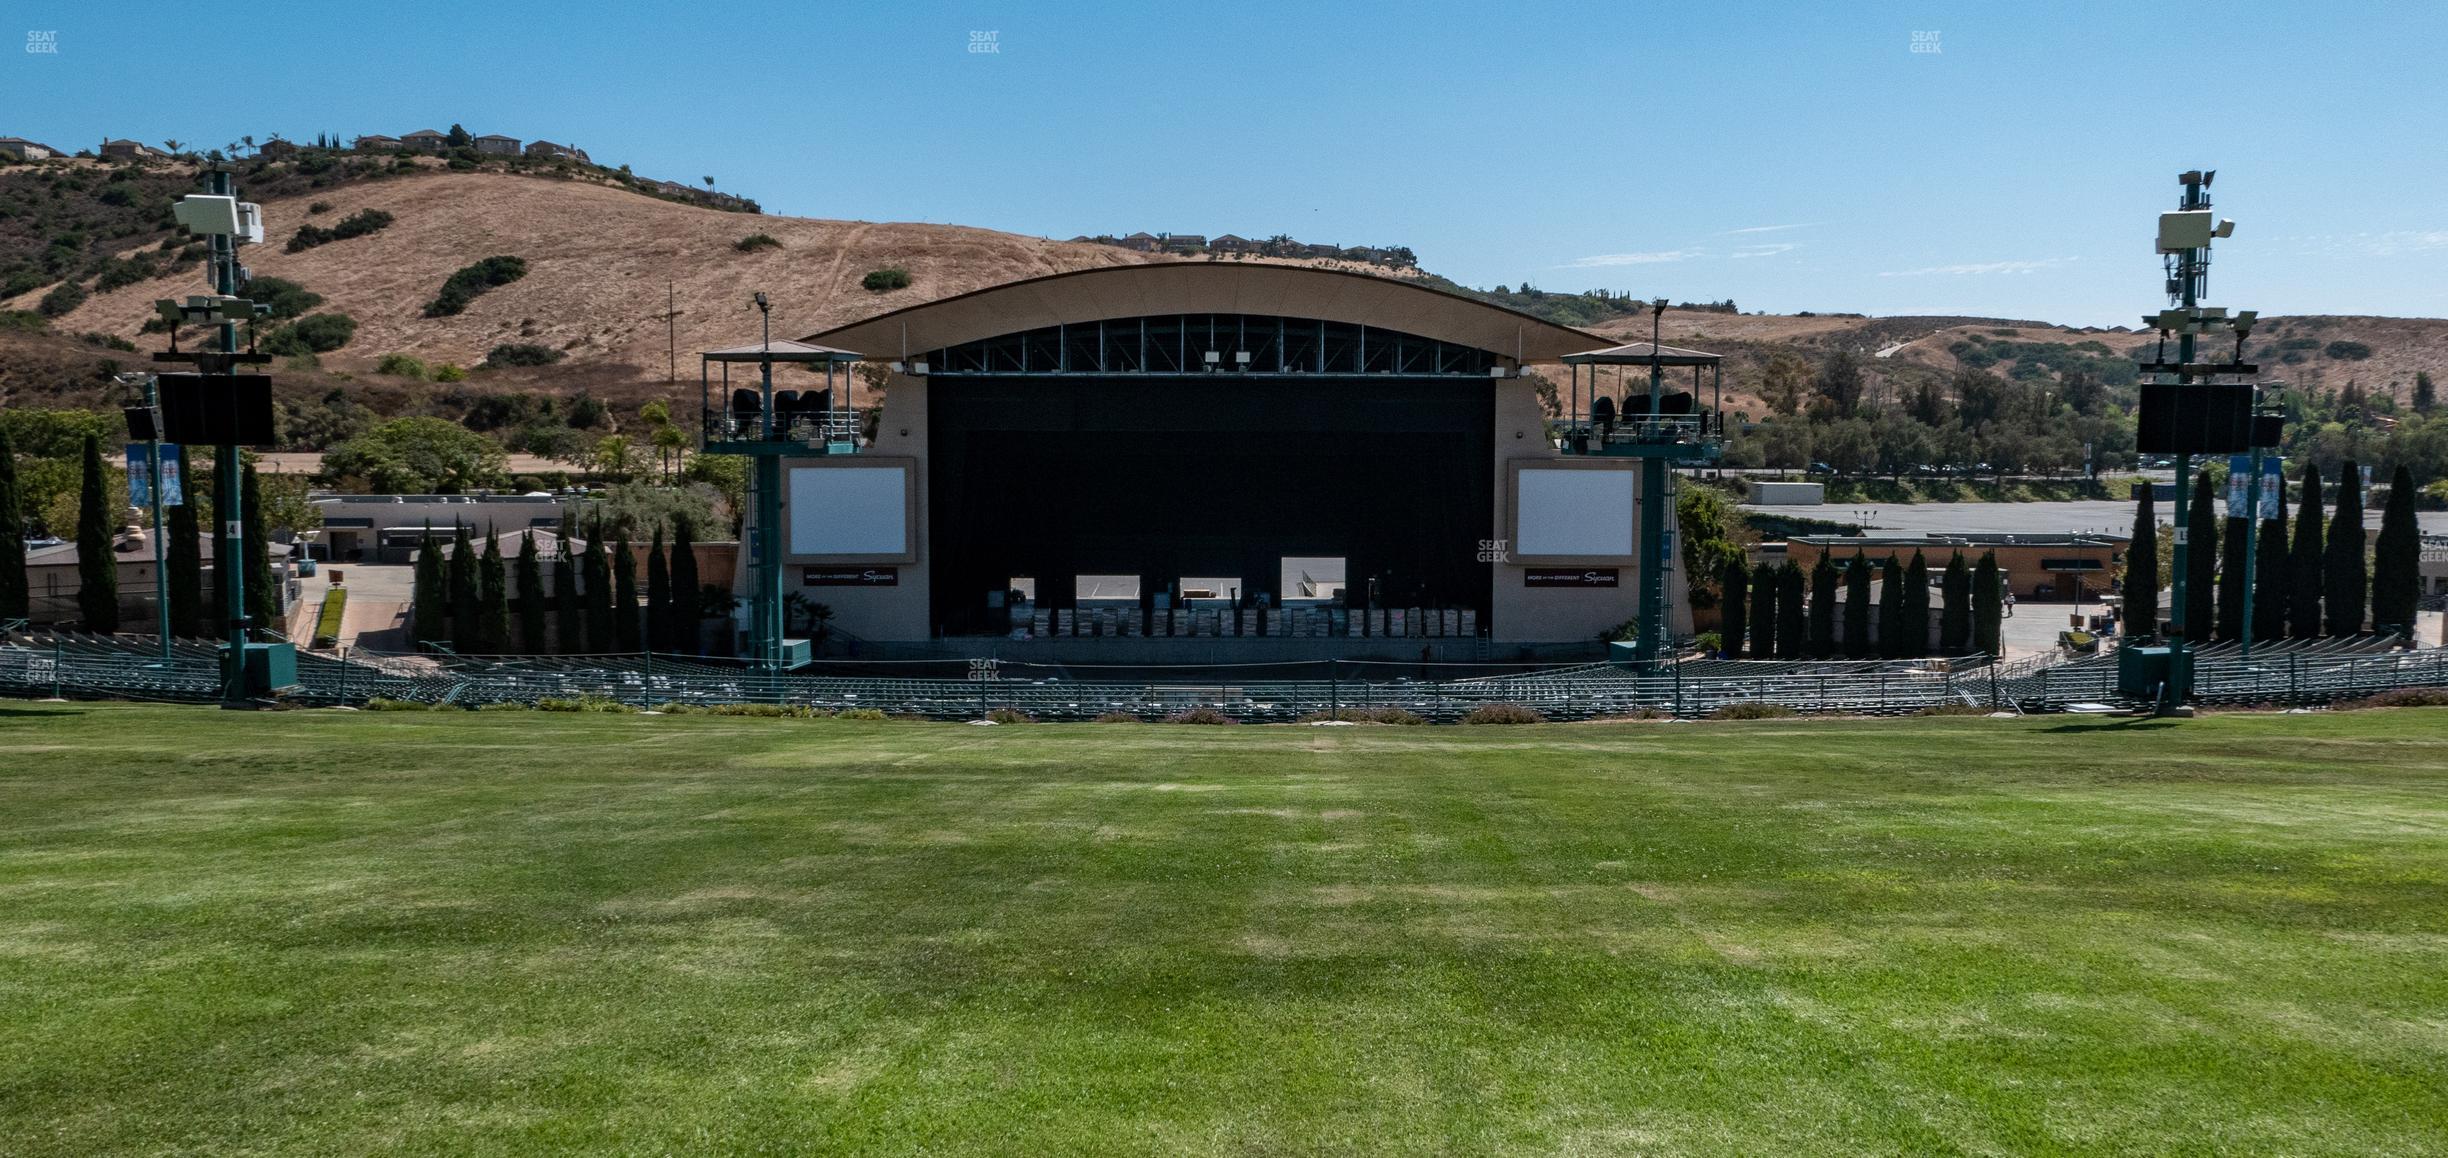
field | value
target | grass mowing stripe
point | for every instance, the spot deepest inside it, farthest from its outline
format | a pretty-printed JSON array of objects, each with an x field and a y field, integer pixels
[{"x": 513, "y": 932}]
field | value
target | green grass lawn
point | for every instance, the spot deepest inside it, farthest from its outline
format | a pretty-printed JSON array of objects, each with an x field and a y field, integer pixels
[{"x": 514, "y": 932}]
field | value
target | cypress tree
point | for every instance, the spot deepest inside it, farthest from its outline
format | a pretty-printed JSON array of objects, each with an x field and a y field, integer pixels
[
  {"x": 429, "y": 621},
  {"x": 1857, "y": 607},
  {"x": 597, "y": 598},
  {"x": 1955, "y": 619},
  {"x": 1988, "y": 606},
  {"x": 2142, "y": 567},
  {"x": 2397, "y": 558},
  {"x": 466, "y": 594},
  {"x": 1791, "y": 630},
  {"x": 568, "y": 637},
  {"x": 688, "y": 603},
  {"x": 97, "y": 564},
  {"x": 529, "y": 579},
  {"x": 262, "y": 598},
  {"x": 1891, "y": 609},
  {"x": 1734, "y": 600},
  {"x": 15, "y": 597},
  {"x": 186, "y": 563},
  {"x": 2235, "y": 571},
  {"x": 2345, "y": 581},
  {"x": 1823, "y": 608},
  {"x": 2304, "y": 577},
  {"x": 2270, "y": 578},
  {"x": 1916, "y": 606},
  {"x": 658, "y": 596},
  {"x": 2201, "y": 563},
  {"x": 624, "y": 596},
  {"x": 493, "y": 598},
  {"x": 1764, "y": 612}
]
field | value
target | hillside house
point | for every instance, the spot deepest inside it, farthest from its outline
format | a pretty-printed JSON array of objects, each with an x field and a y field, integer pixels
[
  {"x": 1232, "y": 243},
  {"x": 377, "y": 142},
  {"x": 497, "y": 145},
  {"x": 426, "y": 140},
  {"x": 548, "y": 151},
  {"x": 277, "y": 149},
  {"x": 1143, "y": 242},
  {"x": 1185, "y": 242},
  {"x": 25, "y": 150},
  {"x": 120, "y": 150}
]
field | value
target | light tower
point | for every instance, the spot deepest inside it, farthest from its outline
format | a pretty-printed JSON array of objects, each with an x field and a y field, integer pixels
[
  {"x": 2194, "y": 414},
  {"x": 1661, "y": 431},
  {"x": 767, "y": 426}
]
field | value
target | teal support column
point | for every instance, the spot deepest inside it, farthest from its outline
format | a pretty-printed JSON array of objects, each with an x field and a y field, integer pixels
[
  {"x": 1653, "y": 549},
  {"x": 230, "y": 553},
  {"x": 766, "y": 615}
]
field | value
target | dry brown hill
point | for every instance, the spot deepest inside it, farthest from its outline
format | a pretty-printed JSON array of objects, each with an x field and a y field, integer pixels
[{"x": 606, "y": 264}]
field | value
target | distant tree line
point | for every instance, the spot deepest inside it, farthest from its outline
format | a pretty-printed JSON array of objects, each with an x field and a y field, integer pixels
[
  {"x": 1776, "y": 612},
  {"x": 477, "y": 603}
]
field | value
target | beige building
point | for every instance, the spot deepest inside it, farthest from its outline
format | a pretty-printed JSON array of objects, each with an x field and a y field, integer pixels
[{"x": 1167, "y": 450}]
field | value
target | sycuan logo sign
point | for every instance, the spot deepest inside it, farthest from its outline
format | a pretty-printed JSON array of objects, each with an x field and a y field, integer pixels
[
  {"x": 850, "y": 576},
  {"x": 1572, "y": 577}
]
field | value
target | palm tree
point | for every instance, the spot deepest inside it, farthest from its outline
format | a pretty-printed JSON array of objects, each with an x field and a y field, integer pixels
[
  {"x": 250, "y": 143},
  {"x": 173, "y": 146}
]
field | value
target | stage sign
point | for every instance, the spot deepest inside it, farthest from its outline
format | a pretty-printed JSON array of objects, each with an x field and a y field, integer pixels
[
  {"x": 1572, "y": 577},
  {"x": 850, "y": 576}
]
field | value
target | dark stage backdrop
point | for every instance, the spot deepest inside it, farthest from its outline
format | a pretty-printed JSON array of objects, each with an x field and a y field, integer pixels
[{"x": 1208, "y": 476}]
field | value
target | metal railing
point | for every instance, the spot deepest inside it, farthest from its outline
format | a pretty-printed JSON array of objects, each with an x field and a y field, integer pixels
[{"x": 128, "y": 667}]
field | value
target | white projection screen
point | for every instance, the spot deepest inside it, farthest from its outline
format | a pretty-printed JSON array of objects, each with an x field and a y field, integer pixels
[
  {"x": 861, "y": 511},
  {"x": 1576, "y": 514}
]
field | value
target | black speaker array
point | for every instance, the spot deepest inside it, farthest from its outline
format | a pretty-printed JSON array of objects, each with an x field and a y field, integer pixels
[
  {"x": 217, "y": 409},
  {"x": 2201, "y": 419}
]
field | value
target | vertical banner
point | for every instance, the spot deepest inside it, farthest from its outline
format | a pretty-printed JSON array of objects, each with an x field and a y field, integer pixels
[
  {"x": 2273, "y": 483},
  {"x": 140, "y": 474},
  {"x": 141, "y": 479}
]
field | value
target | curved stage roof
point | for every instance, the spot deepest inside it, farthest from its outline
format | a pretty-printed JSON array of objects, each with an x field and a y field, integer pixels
[{"x": 1202, "y": 287}]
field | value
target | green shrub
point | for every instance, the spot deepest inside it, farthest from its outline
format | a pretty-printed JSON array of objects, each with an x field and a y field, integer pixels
[
  {"x": 1199, "y": 715},
  {"x": 463, "y": 286},
  {"x": 1503, "y": 714},
  {"x": 380, "y": 704},
  {"x": 1117, "y": 717},
  {"x": 357, "y": 224},
  {"x": 764, "y": 711},
  {"x": 584, "y": 704},
  {"x": 2347, "y": 351},
  {"x": 22, "y": 321},
  {"x": 886, "y": 280},
  {"x": 327, "y": 621},
  {"x": 1365, "y": 716},
  {"x": 449, "y": 372},
  {"x": 63, "y": 297},
  {"x": 1751, "y": 712},
  {"x": 1010, "y": 716},
  {"x": 522, "y": 354},
  {"x": 318, "y": 207},
  {"x": 284, "y": 298},
  {"x": 401, "y": 366},
  {"x": 2402, "y": 698},
  {"x": 312, "y": 334},
  {"x": 125, "y": 273},
  {"x": 864, "y": 714},
  {"x": 756, "y": 241}
]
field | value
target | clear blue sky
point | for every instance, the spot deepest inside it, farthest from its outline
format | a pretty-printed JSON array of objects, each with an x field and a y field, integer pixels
[{"x": 1790, "y": 156}]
